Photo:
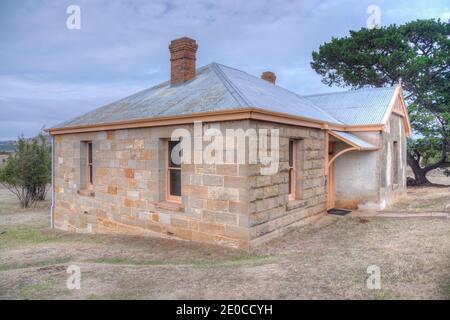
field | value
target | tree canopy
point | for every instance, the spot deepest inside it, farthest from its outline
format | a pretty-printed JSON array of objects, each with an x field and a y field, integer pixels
[{"x": 418, "y": 54}]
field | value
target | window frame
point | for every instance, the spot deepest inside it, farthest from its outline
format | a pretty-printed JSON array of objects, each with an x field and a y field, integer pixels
[
  {"x": 86, "y": 166},
  {"x": 89, "y": 165},
  {"x": 292, "y": 181},
  {"x": 169, "y": 197},
  {"x": 395, "y": 166}
]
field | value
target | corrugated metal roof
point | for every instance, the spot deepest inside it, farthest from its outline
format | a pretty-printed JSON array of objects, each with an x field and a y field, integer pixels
[
  {"x": 215, "y": 88},
  {"x": 354, "y": 140},
  {"x": 263, "y": 94},
  {"x": 356, "y": 107},
  {"x": 206, "y": 92},
  {"x": 219, "y": 88}
]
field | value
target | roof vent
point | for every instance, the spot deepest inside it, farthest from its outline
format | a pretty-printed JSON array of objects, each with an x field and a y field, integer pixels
[
  {"x": 182, "y": 60},
  {"x": 269, "y": 76}
]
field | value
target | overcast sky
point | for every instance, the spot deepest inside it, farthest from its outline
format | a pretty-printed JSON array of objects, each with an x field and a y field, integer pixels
[{"x": 49, "y": 74}]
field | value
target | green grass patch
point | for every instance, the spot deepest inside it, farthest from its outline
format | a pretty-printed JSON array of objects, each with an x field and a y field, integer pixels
[
  {"x": 51, "y": 288},
  {"x": 236, "y": 261},
  {"x": 36, "y": 264},
  {"x": 36, "y": 291},
  {"x": 383, "y": 295},
  {"x": 17, "y": 236},
  {"x": 232, "y": 262},
  {"x": 120, "y": 295},
  {"x": 445, "y": 289},
  {"x": 123, "y": 261}
]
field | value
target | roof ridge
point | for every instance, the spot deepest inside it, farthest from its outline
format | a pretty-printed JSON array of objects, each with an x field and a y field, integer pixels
[
  {"x": 218, "y": 65},
  {"x": 232, "y": 89}
]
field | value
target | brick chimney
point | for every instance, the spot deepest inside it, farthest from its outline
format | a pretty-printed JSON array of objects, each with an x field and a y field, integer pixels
[
  {"x": 269, "y": 76},
  {"x": 182, "y": 60}
]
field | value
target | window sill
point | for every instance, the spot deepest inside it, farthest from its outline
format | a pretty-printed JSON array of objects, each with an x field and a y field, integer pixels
[
  {"x": 86, "y": 193},
  {"x": 296, "y": 204},
  {"x": 170, "y": 206}
]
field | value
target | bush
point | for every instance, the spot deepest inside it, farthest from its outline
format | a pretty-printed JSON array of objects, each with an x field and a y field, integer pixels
[{"x": 28, "y": 172}]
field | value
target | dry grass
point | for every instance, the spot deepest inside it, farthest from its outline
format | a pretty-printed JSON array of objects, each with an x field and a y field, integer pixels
[
  {"x": 326, "y": 260},
  {"x": 423, "y": 199},
  {"x": 437, "y": 176},
  {"x": 9, "y": 205}
]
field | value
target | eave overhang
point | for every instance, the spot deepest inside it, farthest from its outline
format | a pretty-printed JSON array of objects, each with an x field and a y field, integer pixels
[{"x": 218, "y": 116}]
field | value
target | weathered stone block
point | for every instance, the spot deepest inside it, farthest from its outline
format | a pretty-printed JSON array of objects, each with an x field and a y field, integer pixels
[
  {"x": 129, "y": 173},
  {"x": 235, "y": 182},
  {"x": 217, "y": 205},
  {"x": 112, "y": 190},
  {"x": 263, "y": 181},
  {"x": 212, "y": 180}
]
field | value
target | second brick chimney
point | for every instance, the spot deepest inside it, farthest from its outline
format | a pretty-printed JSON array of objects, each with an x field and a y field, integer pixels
[
  {"x": 269, "y": 76},
  {"x": 182, "y": 60}
]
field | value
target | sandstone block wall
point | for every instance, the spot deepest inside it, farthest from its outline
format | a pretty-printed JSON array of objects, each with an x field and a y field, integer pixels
[
  {"x": 225, "y": 204},
  {"x": 271, "y": 213}
]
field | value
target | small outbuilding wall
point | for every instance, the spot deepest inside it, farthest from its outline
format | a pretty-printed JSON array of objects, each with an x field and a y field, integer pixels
[
  {"x": 356, "y": 179},
  {"x": 372, "y": 179},
  {"x": 392, "y": 161}
]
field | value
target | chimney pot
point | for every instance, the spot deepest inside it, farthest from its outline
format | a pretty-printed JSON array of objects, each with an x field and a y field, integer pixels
[
  {"x": 269, "y": 76},
  {"x": 182, "y": 60}
]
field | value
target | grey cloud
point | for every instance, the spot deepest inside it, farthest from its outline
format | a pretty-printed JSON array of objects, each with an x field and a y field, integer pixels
[{"x": 49, "y": 74}]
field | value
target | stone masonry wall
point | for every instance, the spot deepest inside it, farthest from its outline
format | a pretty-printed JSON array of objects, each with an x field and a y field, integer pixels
[
  {"x": 271, "y": 213},
  {"x": 225, "y": 204}
]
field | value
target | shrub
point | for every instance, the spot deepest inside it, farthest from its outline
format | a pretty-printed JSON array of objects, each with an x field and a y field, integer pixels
[{"x": 28, "y": 172}]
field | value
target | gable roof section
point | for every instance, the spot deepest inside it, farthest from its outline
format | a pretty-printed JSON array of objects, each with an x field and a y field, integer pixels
[
  {"x": 356, "y": 107},
  {"x": 398, "y": 106},
  {"x": 365, "y": 107},
  {"x": 215, "y": 88}
]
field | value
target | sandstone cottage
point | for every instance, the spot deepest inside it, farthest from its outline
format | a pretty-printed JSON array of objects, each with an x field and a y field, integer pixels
[{"x": 113, "y": 173}]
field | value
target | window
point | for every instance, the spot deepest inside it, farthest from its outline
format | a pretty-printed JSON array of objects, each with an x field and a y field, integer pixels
[
  {"x": 292, "y": 171},
  {"x": 86, "y": 168},
  {"x": 173, "y": 174},
  {"x": 395, "y": 163},
  {"x": 89, "y": 164}
]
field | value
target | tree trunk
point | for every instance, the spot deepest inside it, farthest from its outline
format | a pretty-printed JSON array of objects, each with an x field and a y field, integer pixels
[{"x": 420, "y": 174}]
